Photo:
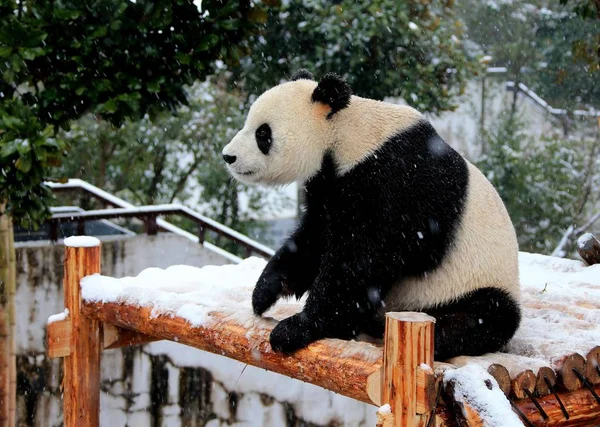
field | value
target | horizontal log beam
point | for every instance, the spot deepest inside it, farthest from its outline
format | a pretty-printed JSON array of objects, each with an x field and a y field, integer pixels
[
  {"x": 339, "y": 366},
  {"x": 59, "y": 338}
]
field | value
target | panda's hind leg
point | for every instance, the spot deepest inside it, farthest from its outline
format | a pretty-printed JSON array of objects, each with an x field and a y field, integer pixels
[{"x": 479, "y": 322}]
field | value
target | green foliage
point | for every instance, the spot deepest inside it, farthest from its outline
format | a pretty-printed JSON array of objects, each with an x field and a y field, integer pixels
[
  {"x": 384, "y": 48},
  {"x": 27, "y": 150},
  {"x": 169, "y": 157},
  {"x": 543, "y": 44},
  {"x": 570, "y": 73},
  {"x": 115, "y": 58},
  {"x": 540, "y": 182}
]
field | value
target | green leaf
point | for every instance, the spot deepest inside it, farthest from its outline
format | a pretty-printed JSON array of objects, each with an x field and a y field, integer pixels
[
  {"x": 24, "y": 163},
  {"x": 5, "y": 51},
  {"x": 8, "y": 149}
]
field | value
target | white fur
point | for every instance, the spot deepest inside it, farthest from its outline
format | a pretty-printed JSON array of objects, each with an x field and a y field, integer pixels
[{"x": 299, "y": 137}]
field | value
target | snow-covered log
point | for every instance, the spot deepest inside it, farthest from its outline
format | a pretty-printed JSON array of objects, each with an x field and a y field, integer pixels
[{"x": 588, "y": 248}]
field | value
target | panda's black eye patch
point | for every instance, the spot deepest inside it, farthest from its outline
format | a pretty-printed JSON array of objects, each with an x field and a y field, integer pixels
[{"x": 263, "y": 138}]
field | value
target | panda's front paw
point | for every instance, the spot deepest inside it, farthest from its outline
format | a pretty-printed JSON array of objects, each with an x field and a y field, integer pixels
[
  {"x": 292, "y": 334},
  {"x": 267, "y": 291}
]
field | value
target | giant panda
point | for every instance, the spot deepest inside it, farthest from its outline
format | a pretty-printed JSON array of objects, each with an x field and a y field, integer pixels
[{"x": 394, "y": 220}]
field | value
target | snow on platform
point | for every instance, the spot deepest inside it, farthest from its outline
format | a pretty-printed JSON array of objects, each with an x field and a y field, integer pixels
[{"x": 561, "y": 300}]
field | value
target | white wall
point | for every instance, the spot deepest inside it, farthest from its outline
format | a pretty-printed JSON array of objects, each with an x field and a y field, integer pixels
[{"x": 163, "y": 383}]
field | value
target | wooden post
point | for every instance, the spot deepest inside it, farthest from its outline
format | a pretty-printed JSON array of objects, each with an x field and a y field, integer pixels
[
  {"x": 81, "y": 380},
  {"x": 406, "y": 381}
]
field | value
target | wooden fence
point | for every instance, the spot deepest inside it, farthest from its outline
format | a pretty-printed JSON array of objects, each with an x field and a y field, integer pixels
[{"x": 400, "y": 374}]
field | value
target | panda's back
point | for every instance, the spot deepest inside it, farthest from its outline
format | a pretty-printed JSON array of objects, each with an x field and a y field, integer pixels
[
  {"x": 484, "y": 254},
  {"x": 420, "y": 213}
]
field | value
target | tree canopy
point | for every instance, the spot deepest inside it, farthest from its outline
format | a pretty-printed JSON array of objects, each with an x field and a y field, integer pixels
[
  {"x": 384, "y": 48},
  {"x": 114, "y": 58}
]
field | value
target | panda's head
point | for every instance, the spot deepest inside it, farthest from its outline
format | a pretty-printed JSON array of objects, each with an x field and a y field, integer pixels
[{"x": 288, "y": 131}]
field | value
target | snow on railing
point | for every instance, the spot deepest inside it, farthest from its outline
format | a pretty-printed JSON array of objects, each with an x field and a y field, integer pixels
[
  {"x": 111, "y": 199},
  {"x": 544, "y": 105}
]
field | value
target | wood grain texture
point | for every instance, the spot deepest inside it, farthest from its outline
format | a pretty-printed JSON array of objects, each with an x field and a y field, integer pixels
[
  {"x": 326, "y": 363},
  {"x": 502, "y": 377},
  {"x": 582, "y": 408},
  {"x": 81, "y": 380},
  {"x": 592, "y": 365},
  {"x": 59, "y": 338},
  {"x": 541, "y": 386},
  {"x": 524, "y": 381},
  {"x": 566, "y": 376},
  {"x": 115, "y": 337},
  {"x": 408, "y": 344}
]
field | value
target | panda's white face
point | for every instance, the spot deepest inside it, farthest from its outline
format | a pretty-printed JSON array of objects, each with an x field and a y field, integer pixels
[{"x": 284, "y": 138}]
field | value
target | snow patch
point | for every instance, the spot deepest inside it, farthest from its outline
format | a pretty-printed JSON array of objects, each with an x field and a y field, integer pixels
[
  {"x": 475, "y": 387},
  {"x": 183, "y": 291},
  {"x": 385, "y": 409},
  {"x": 584, "y": 240},
  {"x": 81, "y": 242},
  {"x": 59, "y": 317},
  {"x": 560, "y": 299}
]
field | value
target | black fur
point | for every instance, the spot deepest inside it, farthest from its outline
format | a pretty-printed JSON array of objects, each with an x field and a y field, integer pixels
[
  {"x": 333, "y": 91},
  {"x": 264, "y": 138},
  {"x": 392, "y": 216},
  {"x": 301, "y": 74},
  {"x": 482, "y": 321}
]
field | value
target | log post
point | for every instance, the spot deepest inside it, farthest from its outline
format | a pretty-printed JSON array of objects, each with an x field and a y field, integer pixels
[
  {"x": 408, "y": 345},
  {"x": 589, "y": 248},
  {"x": 81, "y": 380}
]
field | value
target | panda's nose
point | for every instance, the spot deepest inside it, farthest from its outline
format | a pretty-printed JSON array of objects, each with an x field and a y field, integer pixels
[{"x": 229, "y": 159}]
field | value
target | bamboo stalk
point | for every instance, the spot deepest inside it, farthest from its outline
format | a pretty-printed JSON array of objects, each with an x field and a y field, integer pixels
[
  {"x": 82, "y": 367},
  {"x": 340, "y": 366},
  {"x": 408, "y": 345}
]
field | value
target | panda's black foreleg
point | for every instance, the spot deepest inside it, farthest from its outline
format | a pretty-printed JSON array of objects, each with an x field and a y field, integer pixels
[
  {"x": 338, "y": 306},
  {"x": 482, "y": 321},
  {"x": 291, "y": 271}
]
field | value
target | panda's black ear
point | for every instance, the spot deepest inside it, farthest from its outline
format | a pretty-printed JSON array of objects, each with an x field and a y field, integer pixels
[
  {"x": 302, "y": 74},
  {"x": 333, "y": 90}
]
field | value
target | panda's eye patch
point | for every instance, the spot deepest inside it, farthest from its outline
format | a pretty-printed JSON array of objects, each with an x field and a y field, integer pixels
[{"x": 263, "y": 138}]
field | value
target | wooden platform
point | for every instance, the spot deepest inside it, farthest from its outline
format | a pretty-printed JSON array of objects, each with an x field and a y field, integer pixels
[{"x": 556, "y": 391}]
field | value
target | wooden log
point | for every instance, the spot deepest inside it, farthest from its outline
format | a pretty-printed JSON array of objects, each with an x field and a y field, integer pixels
[
  {"x": 588, "y": 248},
  {"x": 580, "y": 404},
  {"x": 544, "y": 376},
  {"x": 502, "y": 377},
  {"x": 115, "y": 337},
  {"x": 340, "y": 366},
  {"x": 592, "y": 372},
  {"x": 59, "y": 338},
  {"x": 524, "y": 381},
  {"x": 82, "y": 367},
  {"x": 408, "y": 346},
  {"x": 464, "y": 411},
  {"x": 566, "y": 376}
]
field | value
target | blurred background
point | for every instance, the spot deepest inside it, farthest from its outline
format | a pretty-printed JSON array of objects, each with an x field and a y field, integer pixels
[{"x": 133, "y": 100}]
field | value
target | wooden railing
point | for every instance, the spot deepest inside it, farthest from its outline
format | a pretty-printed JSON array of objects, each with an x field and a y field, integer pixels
[{"x": 399, "y": 373}]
